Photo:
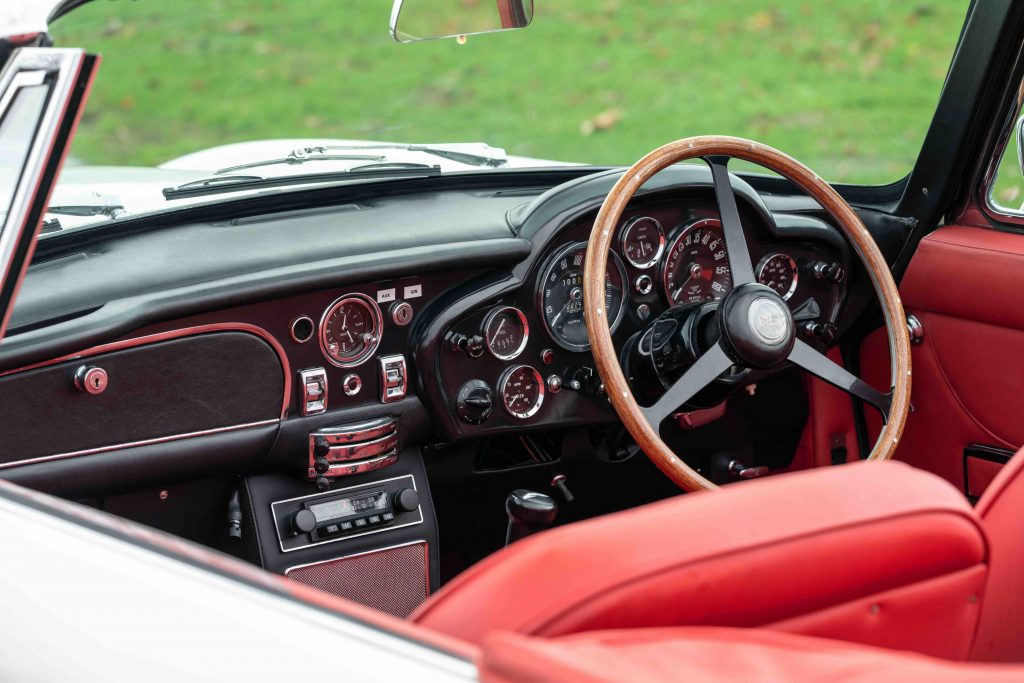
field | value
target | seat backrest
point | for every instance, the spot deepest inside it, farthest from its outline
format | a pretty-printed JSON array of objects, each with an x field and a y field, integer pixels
[{"x": 1000, "y": 635}]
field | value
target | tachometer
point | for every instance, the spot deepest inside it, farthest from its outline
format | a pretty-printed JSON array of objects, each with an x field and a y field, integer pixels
[
  {"x": 350, "y": 330},
  {"x": 643, "y": 242},
  {"x": 522, "y": 391},
  {"x": 506, "y": 332},
  {"x": 779, "y": 272},
  {"x": 561, "y": 295},
  {"x": 697, "y": 266}
]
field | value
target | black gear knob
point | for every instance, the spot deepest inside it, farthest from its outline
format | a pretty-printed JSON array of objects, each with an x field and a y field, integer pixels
[{"x": 528, "y": 513}]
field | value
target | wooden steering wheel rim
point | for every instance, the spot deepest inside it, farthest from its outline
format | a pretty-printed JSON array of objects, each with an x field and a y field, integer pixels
[{"x": 605, "y": 228}]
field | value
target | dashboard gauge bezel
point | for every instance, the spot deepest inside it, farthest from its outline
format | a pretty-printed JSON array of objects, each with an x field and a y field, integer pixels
[
  {"x": 624, "y": 234},
  {"x": 487, "y": 336},
  {"x": 542, "y": 276},
  {"x": 541, "y": 390},
  {"x": 378, "y": 329},
  {"x": 679, "y": 234},
  {"x": 792, "y": 262}
]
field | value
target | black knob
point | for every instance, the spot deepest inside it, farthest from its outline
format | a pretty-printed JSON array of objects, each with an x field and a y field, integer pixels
[
  {"x": 475, "y": 346},
  {"x": 321, "y": 465},
  {"x": 303, "y": 521},
  {"x": 322, "y": 483},
  {"x": 475, "y": 401},
  {"x": 826, "y": 332},
  {"x": 829, "y": 272},
  {"x": 528, "y": 513},
  {"x": 407, "y": 500},
  {"x": 320, "y": 447}
]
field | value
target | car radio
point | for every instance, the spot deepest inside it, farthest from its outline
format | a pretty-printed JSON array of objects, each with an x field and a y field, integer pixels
[{"x": 346, "y": 513}]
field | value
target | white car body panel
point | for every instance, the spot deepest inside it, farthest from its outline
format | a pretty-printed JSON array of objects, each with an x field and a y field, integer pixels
[{"x": 83, "y": 605}]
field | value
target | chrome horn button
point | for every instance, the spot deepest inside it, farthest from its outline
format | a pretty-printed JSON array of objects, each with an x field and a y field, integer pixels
[{"x": 768, "y": 321}]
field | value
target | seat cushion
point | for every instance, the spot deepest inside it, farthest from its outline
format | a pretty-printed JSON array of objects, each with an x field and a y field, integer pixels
[
  {"x": 712, "y": 655},
  {"x": 873, "y": 552}
]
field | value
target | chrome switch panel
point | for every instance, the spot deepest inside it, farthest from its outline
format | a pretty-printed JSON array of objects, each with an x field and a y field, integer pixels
[
  {"x": 394, "y": 379},
  {"x": 314, "y": 390}
]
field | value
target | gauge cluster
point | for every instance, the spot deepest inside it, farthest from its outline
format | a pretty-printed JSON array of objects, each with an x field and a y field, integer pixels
[{"x": 522, "y": 357}]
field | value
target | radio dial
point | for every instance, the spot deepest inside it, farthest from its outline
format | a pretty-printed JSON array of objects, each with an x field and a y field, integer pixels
[
  {"x": 407, "y": 500},
  {"x": 303, "y": 521}
]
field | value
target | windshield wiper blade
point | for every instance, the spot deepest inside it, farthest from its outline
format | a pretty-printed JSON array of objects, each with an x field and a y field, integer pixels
[
  {"x": 460, "y": 152},
  {"x": 241, "y": 183},
  {"x": 109, "y": 210},
  {"x": 301, "y": 156}
]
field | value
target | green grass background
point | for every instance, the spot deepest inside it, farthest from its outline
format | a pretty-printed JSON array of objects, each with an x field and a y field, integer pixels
[{"x": 848, "y": 86}]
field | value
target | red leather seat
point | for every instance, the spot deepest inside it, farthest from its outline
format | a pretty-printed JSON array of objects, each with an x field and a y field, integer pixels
[
  {"x": 876, "y": 553},
  {"x": 712, "y": 655},
  {"x": 1000, "y": 635}
]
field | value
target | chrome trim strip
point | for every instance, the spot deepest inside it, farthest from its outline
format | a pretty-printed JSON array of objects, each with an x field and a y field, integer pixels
[
  {"x": 135, "y": 444},
  {"x": 371, "y": 484},
  {"x": 177, "y": 334},
  {"x": 359, "y": 554}
]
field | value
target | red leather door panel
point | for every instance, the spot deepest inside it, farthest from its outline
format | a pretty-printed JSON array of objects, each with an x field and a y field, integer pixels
[{"x": 966, "y": 285}]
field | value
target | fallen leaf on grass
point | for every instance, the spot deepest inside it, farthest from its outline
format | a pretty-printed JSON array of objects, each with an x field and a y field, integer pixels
[{"x": 603, "y": 121}]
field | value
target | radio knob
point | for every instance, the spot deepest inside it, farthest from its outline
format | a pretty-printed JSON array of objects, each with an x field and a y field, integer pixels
[
  {"x": 407, "y": 500},
  {"x": 303, "y": 521}
]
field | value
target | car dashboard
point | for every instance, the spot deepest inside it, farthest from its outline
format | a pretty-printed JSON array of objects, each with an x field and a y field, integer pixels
[{"x": 359, "y": 365}]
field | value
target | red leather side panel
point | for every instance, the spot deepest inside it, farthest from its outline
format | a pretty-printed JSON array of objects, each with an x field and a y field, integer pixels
[
  {"x": 965, "y": 285},
  {"x": 902, "y": 619},
  {"x": 980, "y": 474},
  {"x": 749, "y": 555},
  {"x": 713, "y": 655},
  {"x": 1000, "y": 634}
]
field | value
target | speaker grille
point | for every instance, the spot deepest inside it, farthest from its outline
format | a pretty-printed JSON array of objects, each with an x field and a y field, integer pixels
[{"x": 393, "y": 580}]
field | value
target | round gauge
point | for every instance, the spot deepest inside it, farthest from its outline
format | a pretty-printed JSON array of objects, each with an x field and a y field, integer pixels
[
  {"x": 779, "y": 272},
  {"x": 350, "y": 330},
  {"x": 643, "y": 242},
  {"x": 522, "y": 391},
  {"x": 697, "y": 266},
  {"x": 561, "y": 295},
  {"x": 506, "y": 332}
]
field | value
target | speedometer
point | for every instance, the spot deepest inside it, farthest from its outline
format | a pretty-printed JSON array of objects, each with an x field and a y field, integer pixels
[
  {"x": 561, "y": 295},
  {"x": 697, "y": 266}
]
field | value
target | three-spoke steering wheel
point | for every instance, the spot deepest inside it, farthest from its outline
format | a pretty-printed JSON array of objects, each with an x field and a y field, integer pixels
[{"x": 754, "y": 327}]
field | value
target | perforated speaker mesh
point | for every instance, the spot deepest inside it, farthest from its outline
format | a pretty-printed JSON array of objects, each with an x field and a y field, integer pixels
[{"x": 394, "y": 580}]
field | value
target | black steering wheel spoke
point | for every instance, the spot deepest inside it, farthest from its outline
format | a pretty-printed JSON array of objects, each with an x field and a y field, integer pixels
[
  {"x": 703, "y": 372},
  {"x": 819, "y": 365},
  {"x": 740, "y": 265}
]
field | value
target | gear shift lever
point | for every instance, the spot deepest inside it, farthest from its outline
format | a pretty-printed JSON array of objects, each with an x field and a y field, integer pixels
[{"x": 528, "y": 513}]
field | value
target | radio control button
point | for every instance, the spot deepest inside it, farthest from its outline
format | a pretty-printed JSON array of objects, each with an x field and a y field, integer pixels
[
  {"x": 332, "y": 528},
  {"x": 345, "y": 526},
  {"x": 303, "y": 521},
  {"x": 374, "y": 519},
  {"x": 407, "y": 500},
  {"x": 360, "y": 522},
  {"x": 388, "y": 516}
]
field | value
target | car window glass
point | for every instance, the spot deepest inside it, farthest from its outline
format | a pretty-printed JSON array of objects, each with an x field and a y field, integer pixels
[{"x": 17, "y": 130}]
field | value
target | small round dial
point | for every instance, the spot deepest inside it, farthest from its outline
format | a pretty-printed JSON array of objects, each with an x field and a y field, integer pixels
[
  {"x": 643, "y": 241},
  {"x": 350, "y": 330},
  {"x": 779, "y": 272},
  {"x": 561, "y": 295},
  {"x": 697, "y": 266},
  {"x": 506, "y": 332},
  {"x": 522, "y": 391}
]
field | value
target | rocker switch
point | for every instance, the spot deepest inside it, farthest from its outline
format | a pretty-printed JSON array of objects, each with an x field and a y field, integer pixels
[
  {"x": 314, "y": 390},
  {"x": 394, "y": 379}
]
